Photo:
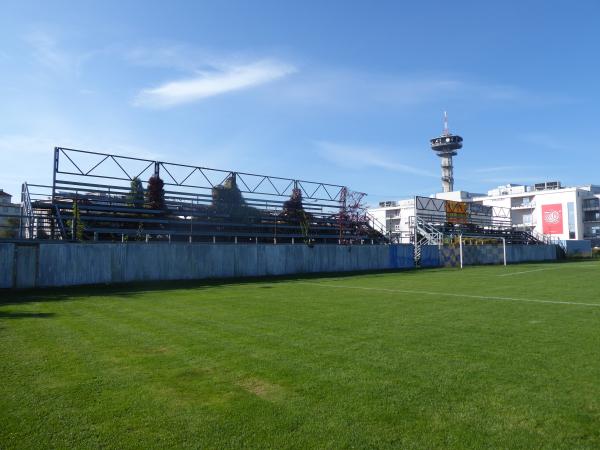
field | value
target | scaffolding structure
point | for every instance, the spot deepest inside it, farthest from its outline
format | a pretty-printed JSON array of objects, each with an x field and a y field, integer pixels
[
  {"x": 107, "y": 197},
  {"x": 444, "y": 222}
]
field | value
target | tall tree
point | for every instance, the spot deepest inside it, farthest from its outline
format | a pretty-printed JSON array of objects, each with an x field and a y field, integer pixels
[
  {"x": 77, "y": 226},
  {"x": 156, "y": 192},
  {"x": 11, "y": 229},
  {"x": 135, "y": 198}
]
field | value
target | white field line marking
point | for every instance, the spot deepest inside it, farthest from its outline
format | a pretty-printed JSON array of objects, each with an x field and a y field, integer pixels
[
  {"x": 448, "y": 294},
  {"x": 579, "y": 266},
  {"x": 526, "y": 271}
]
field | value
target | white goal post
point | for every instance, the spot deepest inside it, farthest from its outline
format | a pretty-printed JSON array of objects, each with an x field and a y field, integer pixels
[{"x": 481, "y": 241}]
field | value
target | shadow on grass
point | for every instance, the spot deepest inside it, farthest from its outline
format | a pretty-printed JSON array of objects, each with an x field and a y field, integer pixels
[
  {"x": 54, "y": 294},
  {"x": 25, "y": 315},
  {"x": 13, "y": 297}
]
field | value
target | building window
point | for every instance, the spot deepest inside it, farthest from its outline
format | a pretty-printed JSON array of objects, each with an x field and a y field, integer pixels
[
  {"x": 571, "y": 215},
  {"x": 591, "y": 216},
  {"x": 591, "y": 203}
]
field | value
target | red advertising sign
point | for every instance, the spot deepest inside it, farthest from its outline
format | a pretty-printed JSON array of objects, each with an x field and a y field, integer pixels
[{"x": 552, "y": 219}]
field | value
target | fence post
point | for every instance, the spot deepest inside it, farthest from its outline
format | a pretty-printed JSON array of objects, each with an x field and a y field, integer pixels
[{"x": 460, "y": 243}]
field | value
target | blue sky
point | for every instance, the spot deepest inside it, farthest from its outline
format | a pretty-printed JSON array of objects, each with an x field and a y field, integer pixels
[{"x": 341, "y": 92}]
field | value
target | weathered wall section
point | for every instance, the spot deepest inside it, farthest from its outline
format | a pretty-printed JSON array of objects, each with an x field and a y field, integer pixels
[
  {"x": 530, "y": 253},
  {"x": 493, "y": 254},
  {"x": 47, "y": 265},
  {"x": 578, "y": 248},
  {"x": 7, "y": 265},
  {"x": 430, "y": 256}
]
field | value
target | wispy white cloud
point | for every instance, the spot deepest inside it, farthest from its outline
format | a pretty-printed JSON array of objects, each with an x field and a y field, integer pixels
[
  {"x": 177, "y": 56},
  {"x": 496, "y": 169},
  {"x": 351, "y": 156},
  {"x": 28, "y": 157},
  {"x": 519, "y": 174},
  {"x": 349, "y": 88},
  {"x": 52, "y": 56},
  {"x": 358, "y": 89},
  {"x": 33, "y": 145},
  {"x": 515, "y": 179},
  {"x": 48, "y": 53},
  {"x": 212, "y": 83},
  {"x": 543, "y": 140},
  {"x": 17, "y": 144}
]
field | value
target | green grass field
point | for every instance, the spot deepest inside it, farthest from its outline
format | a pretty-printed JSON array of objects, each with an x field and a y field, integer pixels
[{"x": 487, "y": 357}]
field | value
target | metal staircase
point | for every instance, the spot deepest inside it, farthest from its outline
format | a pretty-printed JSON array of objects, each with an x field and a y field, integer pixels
[
  {"x": 26, "y": 225},
  {"x": 549, "y": 240},
  {"x": 375, "y": 224},
  {"x": 40, "y": 217},
  {"x": 59, "y": 222},
  {"x": 423, "y": 233}
]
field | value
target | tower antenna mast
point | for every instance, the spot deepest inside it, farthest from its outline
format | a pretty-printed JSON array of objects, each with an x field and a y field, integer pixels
[
  {"x": 446, "y": 130},
  {"x": 446, "y": 146}
]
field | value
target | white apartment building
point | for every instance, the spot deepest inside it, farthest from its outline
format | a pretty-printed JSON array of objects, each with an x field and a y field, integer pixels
[
  {"x": 545, "y": 208},
  {"x": 551, "y": 209},
  {"x": 395, "y": 215}
]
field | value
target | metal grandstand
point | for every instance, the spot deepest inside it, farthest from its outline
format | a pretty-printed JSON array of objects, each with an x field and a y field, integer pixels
[
  {"x": 441, "y": 222},
  {"x": 91, "y": 198}
]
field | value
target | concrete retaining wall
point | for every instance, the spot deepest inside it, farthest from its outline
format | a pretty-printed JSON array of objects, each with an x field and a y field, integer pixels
[
  {"x": 525, "y": 253},
  {"x": 578, "y": 248},
  {"x": 430, "y": 256},
  {"x": 7, "y": 265},
  {"x": 482, "y": 254},
  {"x": 46, "y": 265},
  {"x": 449, "y": 256},
  {"x": 26, "y": 260}
]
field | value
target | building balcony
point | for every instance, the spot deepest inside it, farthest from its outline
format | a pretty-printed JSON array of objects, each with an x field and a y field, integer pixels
[
  {"x": 524, "y": 226},
  {"x": 530, "y": 205}
]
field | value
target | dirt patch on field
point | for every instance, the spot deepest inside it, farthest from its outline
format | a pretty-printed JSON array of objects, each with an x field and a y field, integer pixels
[
  {"x": 262, "y": 388},
  {"x": 160, "y": 350}
]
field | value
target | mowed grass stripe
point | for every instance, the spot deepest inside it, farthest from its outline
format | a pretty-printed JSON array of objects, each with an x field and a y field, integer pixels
[
  {"x": 448, "y": 294},
  {"x": 567, "y": 282},
  {"x": 285, "y": 365}
]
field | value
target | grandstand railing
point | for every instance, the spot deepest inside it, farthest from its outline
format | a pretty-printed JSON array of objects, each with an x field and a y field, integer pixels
[
  {"x": 100, "y": 184},
  {"x": 83, "y": 164},
  {"x": 26, "y": 222}
]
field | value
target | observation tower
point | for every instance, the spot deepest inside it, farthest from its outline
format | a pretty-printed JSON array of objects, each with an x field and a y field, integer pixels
[{"x": 446, "y": 146}]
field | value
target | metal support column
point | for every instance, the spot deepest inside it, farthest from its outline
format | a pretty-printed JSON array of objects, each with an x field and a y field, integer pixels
[{"x": 460, "y": 243}]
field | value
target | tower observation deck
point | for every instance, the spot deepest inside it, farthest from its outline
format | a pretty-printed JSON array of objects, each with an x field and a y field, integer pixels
[{"x": 446, "y": 146}]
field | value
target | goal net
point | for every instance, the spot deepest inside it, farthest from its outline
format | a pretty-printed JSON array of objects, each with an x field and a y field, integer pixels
[{"x": 473, "y": 250}]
